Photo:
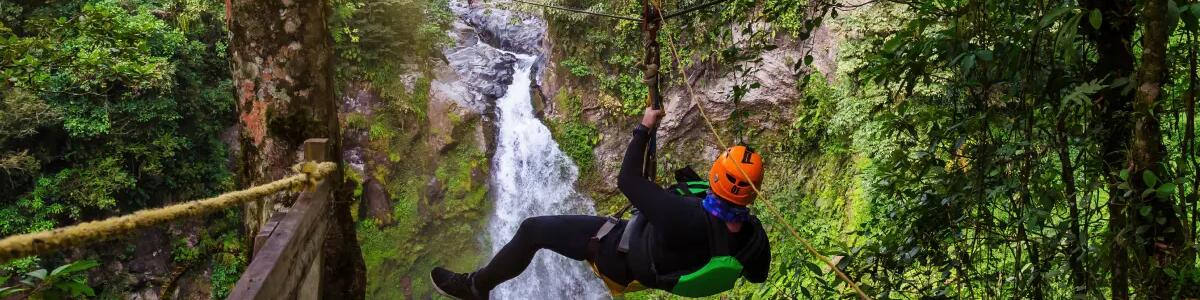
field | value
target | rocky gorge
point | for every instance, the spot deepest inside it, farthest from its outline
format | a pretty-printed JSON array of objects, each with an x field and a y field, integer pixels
[{"x": 439, "y": 181}]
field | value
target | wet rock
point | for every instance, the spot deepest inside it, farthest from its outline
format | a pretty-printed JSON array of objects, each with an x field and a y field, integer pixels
[
  {"x": 152, "y": 255},
  {"x": 358, "y": 105},
  {"x": 440, "y": 131},
  {"x": 434, "y": 191},
  {"x": 484, "y": 68},
  {"x": 144, "y": 294},
  {"x": 509, "y": 31},
  {"x": 194, "y": 285},
  {"x": 505, "y": 29},
  {"x": 376, "y": 202}
]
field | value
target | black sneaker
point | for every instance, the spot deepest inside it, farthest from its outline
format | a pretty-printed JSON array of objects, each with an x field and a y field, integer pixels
[{"x": 455, "y": 285}]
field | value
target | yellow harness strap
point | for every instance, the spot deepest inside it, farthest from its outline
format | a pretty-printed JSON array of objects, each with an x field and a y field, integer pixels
[{"x": 616, "y": 289}]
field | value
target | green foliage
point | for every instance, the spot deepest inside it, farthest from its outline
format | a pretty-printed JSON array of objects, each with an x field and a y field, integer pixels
[
  {"x": 958, "y": 154},
  {"x": 356, "y": 121},
  {"x": 91, "y": 77},
  {"x": 575, "y": 137},
  {"x": 577, "y": 140},
  {"x": 181, "y": 252},
  {"x": 64, "y": 282},
  {"x": 376, "y": 38},
  {"x": 630, "y": 91},
  {"x": 108, "y": 107},
  {"x": 224, "y": 247},
  {"x": 576, "y": 67},
  {"x": 227, "y": 268},
  {"x": 434, "y": 235}
]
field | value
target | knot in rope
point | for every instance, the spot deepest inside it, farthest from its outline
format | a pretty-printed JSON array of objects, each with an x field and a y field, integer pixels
[{"x": 313, "y": 172}]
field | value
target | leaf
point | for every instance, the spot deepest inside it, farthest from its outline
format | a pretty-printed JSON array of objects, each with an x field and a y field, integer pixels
[
  {"x": 1095, "y": 17},
  {"x": 1166, "y": 190},
  {"x": 73, "y": 267},
  {"x": 1124, "y": 175},
  {"x": 1144, "y": 211},
  {"x": 984, "y": 54},
  {"x": 968, "y": 63},
  {"x": 39, "y": 274},
  {"x": 892, "y": 44},
  {"x": 5, "y": 292},
  {"x": 813, "y": 267},
  {"x": 1149, "y": 178},
  {"x": 808, "y": 59},
  {"x": 75, "y": 288},
  {"x": 1052, "y": 16}
]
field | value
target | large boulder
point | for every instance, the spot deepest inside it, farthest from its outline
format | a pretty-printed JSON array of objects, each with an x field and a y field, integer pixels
[
  {"x": 376, "y": 203},
  {"x": 487, "y": 70},
  {"x": 507, "y": 30}
]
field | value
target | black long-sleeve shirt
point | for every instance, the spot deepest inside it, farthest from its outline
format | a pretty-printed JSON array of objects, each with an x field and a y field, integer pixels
[{"x": 679, "y": 221}]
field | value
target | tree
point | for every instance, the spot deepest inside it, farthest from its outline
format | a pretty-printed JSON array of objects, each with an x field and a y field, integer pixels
[
  {"x": 1162, "y": 239},
  {"x": 283, "y": 76},
  {"x": 1114, "y": 61}
]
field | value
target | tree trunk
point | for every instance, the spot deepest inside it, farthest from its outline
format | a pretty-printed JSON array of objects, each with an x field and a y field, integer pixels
[
  {"x": 1114, "y": 60},
  {"x": 1164, "y": 239},
  {"x": 1079, "y": 276},
  {"x": 282, "y": 56},
  {"x": 1189, "y": 140}
]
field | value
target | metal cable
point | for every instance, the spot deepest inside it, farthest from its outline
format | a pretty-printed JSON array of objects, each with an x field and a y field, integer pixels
[{"x": 580, "y": 11}]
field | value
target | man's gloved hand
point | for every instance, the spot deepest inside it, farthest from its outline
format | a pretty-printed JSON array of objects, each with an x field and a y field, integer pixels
[{"x": 651, "y": 117}]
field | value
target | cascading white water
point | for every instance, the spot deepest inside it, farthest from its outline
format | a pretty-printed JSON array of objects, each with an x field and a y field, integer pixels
[{"x": 532, "y": 177}]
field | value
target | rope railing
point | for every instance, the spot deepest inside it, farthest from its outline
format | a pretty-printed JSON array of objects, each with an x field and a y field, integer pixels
[{"x": 38, "y": 243}]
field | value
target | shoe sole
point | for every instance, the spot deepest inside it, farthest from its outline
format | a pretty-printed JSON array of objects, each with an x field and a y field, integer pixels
[{"x": 439, "y": 290}]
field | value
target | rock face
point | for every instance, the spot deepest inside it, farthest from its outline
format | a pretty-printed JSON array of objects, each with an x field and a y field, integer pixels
[
  {"x": 683, "y": 133},
  {"x": 481, "y": 67},
  {"x": 358, "y": 105},
  {"x": 487, "y": 70},
  {"x": 478, "y": 70},
  {"x": 523, "y": 36}
]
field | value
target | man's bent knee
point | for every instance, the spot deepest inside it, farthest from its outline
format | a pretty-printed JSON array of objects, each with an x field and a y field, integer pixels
[{"x": 533, "y": 225}]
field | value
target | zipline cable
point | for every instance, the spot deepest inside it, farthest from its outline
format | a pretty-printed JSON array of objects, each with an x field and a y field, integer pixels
[
  {"x": 663, "y": 17},
  {"x": 37, "y": 243},
  {"x": 774, "y": 210},
  {"x": 580, "y": 11}
]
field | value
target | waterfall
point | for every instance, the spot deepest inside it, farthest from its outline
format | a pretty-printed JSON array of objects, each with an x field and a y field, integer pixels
[{"x": 532, "y": 177}]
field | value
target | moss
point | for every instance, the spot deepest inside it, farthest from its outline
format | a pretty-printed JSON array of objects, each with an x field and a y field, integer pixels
[
  {"x": 427, "y": 233},
  {"x": 356, "y": 120},
  {"x": 575, "y": 137}
]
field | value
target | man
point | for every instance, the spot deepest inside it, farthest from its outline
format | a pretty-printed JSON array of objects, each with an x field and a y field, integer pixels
[{"x": 691, "y": 246}]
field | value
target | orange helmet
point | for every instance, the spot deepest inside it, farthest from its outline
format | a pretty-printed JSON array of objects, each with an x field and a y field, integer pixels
[{"x": 727, "y": 181}]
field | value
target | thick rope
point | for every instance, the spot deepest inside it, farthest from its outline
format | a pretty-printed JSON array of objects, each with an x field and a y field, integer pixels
[
  {"x": 762, "y": 197},
  {"x": 82, "y": 234}
]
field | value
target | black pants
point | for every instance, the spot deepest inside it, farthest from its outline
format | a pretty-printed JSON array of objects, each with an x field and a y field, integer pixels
[{"x": 566, "y": 235}]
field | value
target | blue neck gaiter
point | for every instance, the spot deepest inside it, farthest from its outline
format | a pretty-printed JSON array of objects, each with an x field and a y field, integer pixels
[{"x": 725, "y": 211}]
